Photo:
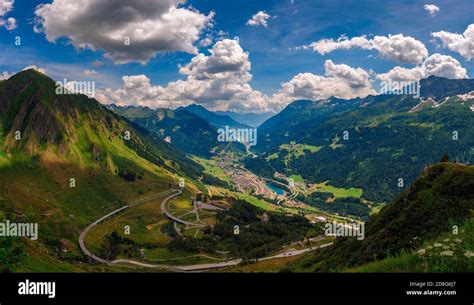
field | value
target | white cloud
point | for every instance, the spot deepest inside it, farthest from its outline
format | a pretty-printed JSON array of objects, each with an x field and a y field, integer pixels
[
  {"x": 5, "y": 75},
  {"x": 227, "y": 60},
  {"x": 218, "y": 81},
  {"x": 259, "y": 18},
  {"x": 206, "y": 41},
  {"x": 461, "y": 43},
  {"x": 9, "y": 23},
  {"x": 400, "y": 74},
  {"x": 153, "y": 26},
  {"x": 436, "y": 64},
  {"x": 6, "y": 6},
  {"x": 90, "y": 72},
  {"x": 444, "y": 66},
  {"x": 222, "y": 34},
  {"x": 325, "y": 46},
  {"x": 340, "y": 81},
  {"x": 432, "y": 9},
  {"x": 136, "y": 90},
  {"x": 97, "y": 63},
  {"x": 398, "y": 47}
]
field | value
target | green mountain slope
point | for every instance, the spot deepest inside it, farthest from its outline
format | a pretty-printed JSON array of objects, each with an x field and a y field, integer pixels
[
  {"x": 442, "y": 197},
  {"x": 187, "y": 131},
  {"x": 286, "y": 125},
  {"x": 71, "y": 164},
  {"x": 250, "y": 119},
  {"x": 217, "y": 120},
  {"x": 76, "y": 128},
  {"x": 389, "y": 138},
  {"x": 444, "y": 253}
]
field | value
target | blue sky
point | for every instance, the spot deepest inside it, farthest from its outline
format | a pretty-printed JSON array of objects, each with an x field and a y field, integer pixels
[{"x": 275, "y": 51}]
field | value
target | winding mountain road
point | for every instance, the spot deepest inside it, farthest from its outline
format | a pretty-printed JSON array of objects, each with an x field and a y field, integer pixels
[
  {"x": 98, "y": 221},
  {"x": 174, "y": 218},
  {"x": 219, "y": 265},
  {"x": 182, "y": 268}
]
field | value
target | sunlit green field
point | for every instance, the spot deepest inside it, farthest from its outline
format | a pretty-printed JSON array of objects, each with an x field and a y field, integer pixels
[
  {"x": 211, "y": 168},
  {"x": 337, "y": 192}
]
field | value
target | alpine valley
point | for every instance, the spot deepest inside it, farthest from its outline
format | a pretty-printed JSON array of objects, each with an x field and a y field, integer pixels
[{"x": 120, "y": 188}]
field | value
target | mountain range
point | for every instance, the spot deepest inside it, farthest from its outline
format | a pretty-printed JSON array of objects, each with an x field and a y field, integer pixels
[
  {"x": 250, "y": 119},
  {"x": 217, "y": 120},
  {"x": 379, "y": 143},
  {"x": 192, "y": 133}
]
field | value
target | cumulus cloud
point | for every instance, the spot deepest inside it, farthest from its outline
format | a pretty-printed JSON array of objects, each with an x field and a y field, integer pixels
[
  {"x": 136, "y": 90},
  {"x": 227, "y": 60},
  {"x": 400, "y": 74},
  {"x": 6, "y": 6},
  {"x": 259, "y": 18},
  {"x": 398, "y": 47},
  {"x": 340, "y": 81},
  {"x": 150, "y": 26},
  {"x": 5, "y": 75},
  {"x": 431, "y": 9},
  {"x": 460, "y": 43},
  {"x": 444, "y": 66},
  {"x": 436, "y": 64},
  {"x": 218, "y": 81}
]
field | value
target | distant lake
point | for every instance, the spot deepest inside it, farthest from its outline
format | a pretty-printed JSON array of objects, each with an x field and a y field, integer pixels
[{"x": 276, "y": 189}]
